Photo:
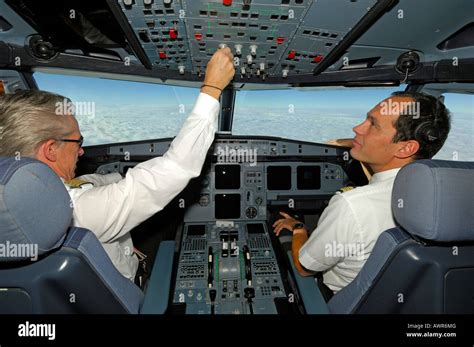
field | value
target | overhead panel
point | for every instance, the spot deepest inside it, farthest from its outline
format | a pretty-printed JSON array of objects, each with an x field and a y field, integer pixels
[
  {"x": 274, "y": 38},
  {"x": 257, "y": 34}
]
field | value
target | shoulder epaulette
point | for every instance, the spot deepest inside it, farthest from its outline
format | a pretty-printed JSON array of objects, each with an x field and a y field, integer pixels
[
  {"x": 346, "y": 189},
  {"x": 76, "y": 183}
]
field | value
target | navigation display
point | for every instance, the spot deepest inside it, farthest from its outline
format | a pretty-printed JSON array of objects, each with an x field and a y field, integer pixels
[
  {"x": 227, "y": 206},
  {"x": 279, "y": 178},
  {"x": 309, "y": 177}
]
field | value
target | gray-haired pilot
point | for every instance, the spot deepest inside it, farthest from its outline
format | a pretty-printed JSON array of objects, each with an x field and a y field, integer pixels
[{"x": 110, "y": 205}]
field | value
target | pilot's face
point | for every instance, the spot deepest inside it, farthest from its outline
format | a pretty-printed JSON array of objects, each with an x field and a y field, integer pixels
[
  {"x": 69, "y": 152},
  {"x": 372, "y": 143}
]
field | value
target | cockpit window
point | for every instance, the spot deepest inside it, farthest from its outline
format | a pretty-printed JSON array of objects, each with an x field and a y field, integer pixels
[
  {"x": 331, "y": 113},
  {"x": 110, "y": 111},
  {"x": 314, "y": 115},
  {"x": 460, "y": 141}
]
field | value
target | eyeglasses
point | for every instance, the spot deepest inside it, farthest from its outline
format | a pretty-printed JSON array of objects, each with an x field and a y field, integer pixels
[{"x": 80, "y": 141}]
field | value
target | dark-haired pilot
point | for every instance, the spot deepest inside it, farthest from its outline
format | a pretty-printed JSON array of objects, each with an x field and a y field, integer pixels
[{"x": 400, "y": 129}]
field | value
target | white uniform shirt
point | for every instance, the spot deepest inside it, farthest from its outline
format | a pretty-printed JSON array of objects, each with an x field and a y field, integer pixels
[
  {"x": 112, "y": 206},
  {"x": 348, "y": 229}
]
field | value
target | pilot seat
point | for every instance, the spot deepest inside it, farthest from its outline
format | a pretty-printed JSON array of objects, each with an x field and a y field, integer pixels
[{"x": 46, "y": 266}]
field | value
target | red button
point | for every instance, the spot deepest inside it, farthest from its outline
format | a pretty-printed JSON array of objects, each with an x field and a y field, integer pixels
[
  {"x": 162, "y": 55},
  {"x": 198, "y": 36},
  {"x": 280, "y": 40},
  {"x": 227, "y": 2},
  {"x": 173, "y": 34},
  {"x": 318, "y": 58},
  {"x": 292, "y": 55}
]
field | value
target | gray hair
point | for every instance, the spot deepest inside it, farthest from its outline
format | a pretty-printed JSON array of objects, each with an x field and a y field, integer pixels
[{"x": 28, "y": 118}]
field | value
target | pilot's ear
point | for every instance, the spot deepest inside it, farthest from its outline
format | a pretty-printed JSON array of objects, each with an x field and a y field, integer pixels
[
  {"x": 48, "y": 151},
  {"x": 407, "y": 149}
]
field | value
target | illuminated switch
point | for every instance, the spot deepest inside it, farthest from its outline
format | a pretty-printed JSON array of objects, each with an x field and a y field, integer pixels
[
  {"x": 280, "y": 40},
  {"x": 181, "y": 69},
  {"x": 227, "y": 2},
  {"x": 173, "y": 34},
  {"x": 285, "y": 73},
  {"x": 162, "y": 55},
  {"x": 318, "y": 58},
  {"x": 262, "y": 67},
  {"x": 249, "y": 59},
  {"x": 292, "y": 55},
  {"x": 198, "y": 36}
]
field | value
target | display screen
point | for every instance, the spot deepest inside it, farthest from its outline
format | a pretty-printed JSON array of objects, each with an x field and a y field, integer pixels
[
  {"x": 255, "y": 228},
  {"x": 227, "y": 176},
  {"x": 279, "y": 178},
  {"x": 309, "y": 177},
  {"x": 227, "y": 206},
  {"x": 196, "y": 230}
]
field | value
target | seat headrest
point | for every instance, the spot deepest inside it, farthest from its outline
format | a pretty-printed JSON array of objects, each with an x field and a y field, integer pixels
[
  {"x": 434, "y": 199},
  {"x": 35, "y": 209}
]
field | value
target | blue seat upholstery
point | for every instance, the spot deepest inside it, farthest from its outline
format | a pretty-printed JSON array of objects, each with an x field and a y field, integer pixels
[
  {"x": 426, "y": 264},
  {"x": 46, "y": 266}
]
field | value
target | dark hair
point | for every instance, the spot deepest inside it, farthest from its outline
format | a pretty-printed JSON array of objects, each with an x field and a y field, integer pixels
[{"x": 429, "y": 128}]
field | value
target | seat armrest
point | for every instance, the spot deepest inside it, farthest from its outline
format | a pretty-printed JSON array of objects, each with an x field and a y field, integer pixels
[
  {"x": 311, "y": 296},
  {"x": 159, "y": 286}
]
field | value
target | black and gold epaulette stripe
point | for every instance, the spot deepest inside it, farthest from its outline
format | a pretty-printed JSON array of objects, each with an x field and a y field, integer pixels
[
  {"x": 76, "y": 183},
  {"x": 345, "y": 189}
]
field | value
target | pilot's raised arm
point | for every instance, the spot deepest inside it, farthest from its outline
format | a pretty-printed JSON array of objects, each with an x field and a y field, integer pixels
[{"x": 113, "y": 206}]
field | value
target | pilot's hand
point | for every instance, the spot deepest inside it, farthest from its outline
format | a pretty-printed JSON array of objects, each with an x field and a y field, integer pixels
[
  {"x": 286, "y": 223},
  {"x": 219, "y": 72},
  {"x": 341, "y": 142}
]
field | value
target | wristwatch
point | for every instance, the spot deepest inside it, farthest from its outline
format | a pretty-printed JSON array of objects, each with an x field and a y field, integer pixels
[{"x": 298, "y": 226}]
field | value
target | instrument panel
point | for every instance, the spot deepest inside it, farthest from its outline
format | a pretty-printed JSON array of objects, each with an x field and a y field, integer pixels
[
  {"x": 228, "y": 262},
  {"x": 244, "y": 176}
]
